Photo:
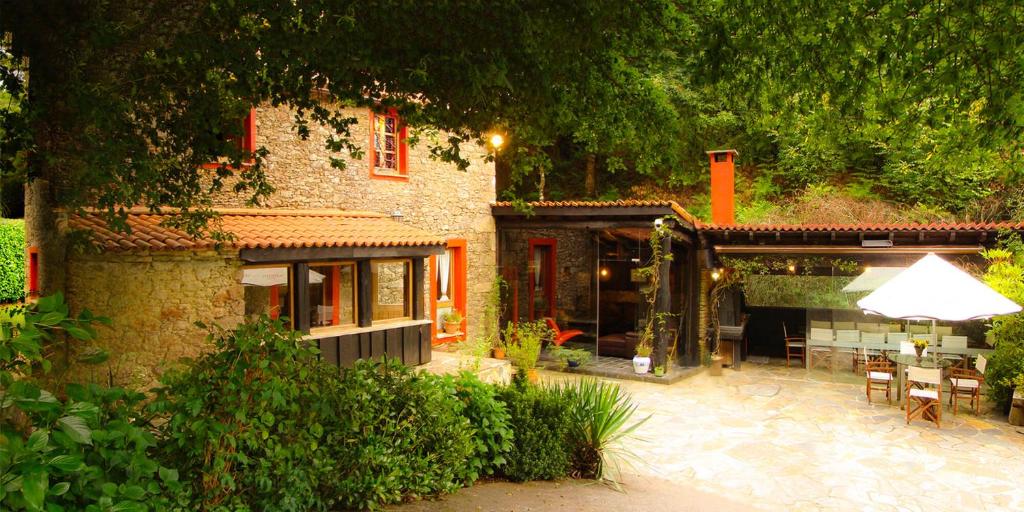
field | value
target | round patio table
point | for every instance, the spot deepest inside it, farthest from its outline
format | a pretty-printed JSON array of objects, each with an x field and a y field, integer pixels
[{"x": 904, "y": 360}]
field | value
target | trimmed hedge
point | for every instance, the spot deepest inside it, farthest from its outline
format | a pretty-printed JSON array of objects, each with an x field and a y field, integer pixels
[{"x": 12, "y": 260}]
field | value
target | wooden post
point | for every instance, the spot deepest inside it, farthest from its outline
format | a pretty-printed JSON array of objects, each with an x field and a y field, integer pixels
[
  {"x": 417, "y": 288},
  {"x": 663, "y": 302},
  {"x": 365, "y": 291},
  {"x": 301, "y": 313}
]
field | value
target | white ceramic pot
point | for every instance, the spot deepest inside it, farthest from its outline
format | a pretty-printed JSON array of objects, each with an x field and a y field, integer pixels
[{"x": 641, "y": 365}]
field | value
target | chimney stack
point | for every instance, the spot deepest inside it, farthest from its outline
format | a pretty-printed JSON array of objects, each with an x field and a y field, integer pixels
[{"x": 723, "y": 186}]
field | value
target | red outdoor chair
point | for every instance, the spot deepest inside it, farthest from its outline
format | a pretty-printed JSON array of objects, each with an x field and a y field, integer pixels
[{"x": 560, "y": 335}]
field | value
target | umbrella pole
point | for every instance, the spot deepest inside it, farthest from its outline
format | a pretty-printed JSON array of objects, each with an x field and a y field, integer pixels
[{"x": 935, "y": 335}]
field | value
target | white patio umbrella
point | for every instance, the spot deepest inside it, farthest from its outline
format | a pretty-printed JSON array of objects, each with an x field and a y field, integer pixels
[
  {"x": 934, "y": 289},
  {"x": 872, "y": 278}
]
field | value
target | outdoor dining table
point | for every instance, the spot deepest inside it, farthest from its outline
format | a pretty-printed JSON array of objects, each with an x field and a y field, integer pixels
[{"x": 904, "y": 360}]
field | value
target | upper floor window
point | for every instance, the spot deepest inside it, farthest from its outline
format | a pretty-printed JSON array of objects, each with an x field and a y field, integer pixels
[
  {"x": 388, "y": 146},
  {"x": 242, "y": 135}
]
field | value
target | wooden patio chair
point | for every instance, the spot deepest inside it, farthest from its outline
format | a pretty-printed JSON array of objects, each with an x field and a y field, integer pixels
[
  {"x": 878, "y": 375},
  {"x": 561, "y": 336},
  {"x": 923, "y": 394},
  {"x": 796, "y": 347},
  {"x": 966, "y": 383}
]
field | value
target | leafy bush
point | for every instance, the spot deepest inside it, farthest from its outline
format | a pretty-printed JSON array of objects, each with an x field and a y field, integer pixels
[
  {"x": 523, "y": 342},
  {"x": 398, "y": 434},
  {"x": 12, "y": 260},
  {"x": 599, "y": 422},
  {"x": 1005, "y": 274},
  {"x": 247, "y": 423},
  {"x": 89, "y": 452},
  {"x": 492, "y": 437},
  {"x": 540, "y": 425}
]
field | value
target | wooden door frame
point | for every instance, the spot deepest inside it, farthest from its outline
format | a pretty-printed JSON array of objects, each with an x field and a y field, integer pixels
[
  {"x": 459, "y": 271},
  {"x": 552, "y": 294}
]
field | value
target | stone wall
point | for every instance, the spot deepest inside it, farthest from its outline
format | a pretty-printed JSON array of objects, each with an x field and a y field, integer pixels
[
  {"x": 574, "y": 261},
  {"x": 154, "y": 300},
  {"x": 436, "y": 196}
]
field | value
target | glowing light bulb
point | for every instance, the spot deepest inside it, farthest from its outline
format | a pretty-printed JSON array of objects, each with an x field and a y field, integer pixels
[
  {"x": 715, "y": 275},
  {"x": 604, "y": 272},
  {"x": 497, "y": 140}
]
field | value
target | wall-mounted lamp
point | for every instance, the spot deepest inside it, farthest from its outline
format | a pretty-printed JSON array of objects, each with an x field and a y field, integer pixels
[
  {"x": 497, "y": 140},
  {"x": 716, "y": 275},
  {"x": 604, "y": 272},
  {"x": 397, "y": 215},
  {"x": 791, "y": 268},
  {"x": 658, "y": 222}
]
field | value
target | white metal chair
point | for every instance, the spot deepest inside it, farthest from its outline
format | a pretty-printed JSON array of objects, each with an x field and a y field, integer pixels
[
  {"x": 819, "y": 345},
  {"x": 924, "y": 394},
  {"x": 966, "y": 383},
  {"x": 796, "y": 347}
]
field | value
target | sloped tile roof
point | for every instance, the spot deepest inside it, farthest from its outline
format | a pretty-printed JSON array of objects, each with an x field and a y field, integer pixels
[
  {"x": 866, "y": 227},
  {"x": 260, "y": 229},
  {"x": 621, "y": 203}
]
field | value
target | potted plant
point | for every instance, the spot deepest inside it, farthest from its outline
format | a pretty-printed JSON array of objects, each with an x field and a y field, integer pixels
[
  {"x": 920, "y": 344},
  {"x": 452, "y": 321},
  {"x": 642, "y": 359},
  {"x": 498, "y": 350},
  {"x": 523, "y": 342},
  {"x": 570, "y": 357}
]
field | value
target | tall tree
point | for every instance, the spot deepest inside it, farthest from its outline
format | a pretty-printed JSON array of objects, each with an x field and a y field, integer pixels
[{"x": 123, "y": 101}]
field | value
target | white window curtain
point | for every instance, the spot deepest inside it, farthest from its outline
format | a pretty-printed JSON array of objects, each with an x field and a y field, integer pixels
[{"x": 443, "y": 268}]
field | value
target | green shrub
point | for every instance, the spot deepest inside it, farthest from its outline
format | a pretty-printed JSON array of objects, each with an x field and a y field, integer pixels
[
  {"x": 247, "y": 423},
  {"x": 399, "y": 434},
  {"x": 1005, "y": 274},
  {"x": 12, "y": 260},
  {"x": 492, "y": 434},
  {"x": 600, "y": 415},
  {"x": 539, "y": 426},
  {"x": 90, "y": 451}
]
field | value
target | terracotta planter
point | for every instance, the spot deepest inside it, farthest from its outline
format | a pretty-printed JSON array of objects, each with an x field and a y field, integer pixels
[
  {"x": 532, "y": 376},
  {"x": 451, "y": 327},
  {"x": 716, "y": 366},
  {"x": 499, "y": 353}
]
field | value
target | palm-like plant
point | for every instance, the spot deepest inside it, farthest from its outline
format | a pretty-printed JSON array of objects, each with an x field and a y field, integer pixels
[{"x": 601, "y": 421}]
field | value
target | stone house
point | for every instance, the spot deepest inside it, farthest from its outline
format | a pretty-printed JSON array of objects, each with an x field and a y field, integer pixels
[{"x": 364, "y": 259}]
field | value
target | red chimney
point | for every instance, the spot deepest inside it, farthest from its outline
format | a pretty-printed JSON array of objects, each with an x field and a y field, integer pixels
[{"x": 723, "y": 186}]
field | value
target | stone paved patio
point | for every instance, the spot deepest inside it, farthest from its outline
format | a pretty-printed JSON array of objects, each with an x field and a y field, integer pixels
[{"x": 789, "y": 439}]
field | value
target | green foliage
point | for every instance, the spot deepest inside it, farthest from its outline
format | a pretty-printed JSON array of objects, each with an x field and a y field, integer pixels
[
  {"x": 523, "y": 341},
  {"x": 1005, "y": 274},
  {"x": 580, "y": 356},
  {"x": 492, "y": 436},
  {"x": 600, "y": 422},
  {"x": 12, "y": 260},
  {"x": 117, "y": 117},
  {"x": 398, "y": 434},
  {"x": 246, "y": 424},
  {"x": 89, "y": 451},
  {"x": 540, "y": 425}
]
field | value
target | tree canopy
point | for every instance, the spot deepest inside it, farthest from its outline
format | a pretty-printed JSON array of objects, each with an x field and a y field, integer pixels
[{"x": 122, "y": 101}]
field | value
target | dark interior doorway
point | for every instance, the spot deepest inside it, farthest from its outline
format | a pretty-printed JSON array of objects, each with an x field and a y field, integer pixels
[{"x": 764, "y": 330}]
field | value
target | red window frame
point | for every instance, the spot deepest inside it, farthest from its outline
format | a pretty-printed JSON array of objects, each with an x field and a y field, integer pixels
[
  {"x": 550, "y": 280},
  {"x": 247, "y": 142},
  {"x": 402, "y": 173},
  {"x": 459, "y": 272}
]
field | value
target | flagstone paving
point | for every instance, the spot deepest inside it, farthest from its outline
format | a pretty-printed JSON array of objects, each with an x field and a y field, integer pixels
[{"x": 791, "y": 439}]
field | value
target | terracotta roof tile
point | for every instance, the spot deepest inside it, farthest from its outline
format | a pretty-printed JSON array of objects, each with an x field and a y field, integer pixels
[
  {"x": 260, "y": 229},
  {"x": 934, "y": 226},
  {"x": 621, "y": 203}
]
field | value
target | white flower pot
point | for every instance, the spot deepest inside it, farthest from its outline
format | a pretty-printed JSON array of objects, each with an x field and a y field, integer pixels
[{"x": 641, "y": 365}]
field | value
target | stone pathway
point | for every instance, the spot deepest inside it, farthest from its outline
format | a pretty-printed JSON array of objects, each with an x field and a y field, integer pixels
[{"x": 791, "y": 439}]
